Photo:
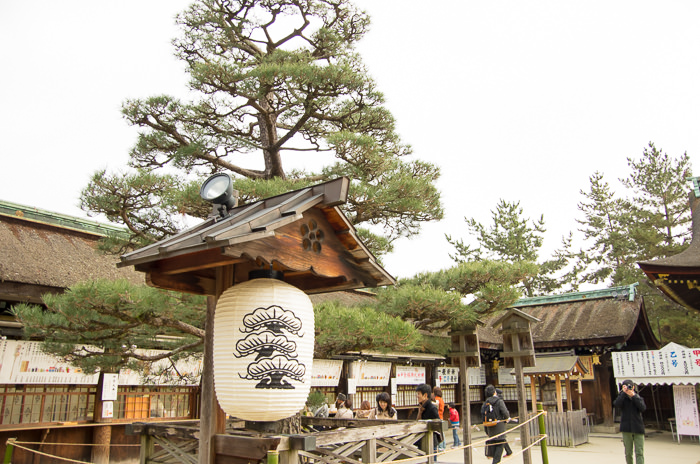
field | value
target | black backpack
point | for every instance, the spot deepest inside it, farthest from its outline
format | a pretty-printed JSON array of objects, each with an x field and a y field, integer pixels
[{"x": 490, "y": 416}]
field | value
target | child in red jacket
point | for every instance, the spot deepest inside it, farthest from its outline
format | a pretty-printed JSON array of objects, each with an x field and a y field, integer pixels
[{"x": 454, "y": 423}]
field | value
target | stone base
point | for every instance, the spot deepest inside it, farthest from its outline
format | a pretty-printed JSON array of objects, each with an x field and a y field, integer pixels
[{"x": 606, "y": 428}]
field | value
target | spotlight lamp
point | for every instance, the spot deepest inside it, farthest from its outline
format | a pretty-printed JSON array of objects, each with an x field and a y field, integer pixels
[{"x": 218, "y": 190}]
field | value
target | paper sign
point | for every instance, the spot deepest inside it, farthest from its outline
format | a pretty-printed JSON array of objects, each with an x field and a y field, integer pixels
[
  {"x": 108, "y": 410},
  {"x": 110, "y": 386}
]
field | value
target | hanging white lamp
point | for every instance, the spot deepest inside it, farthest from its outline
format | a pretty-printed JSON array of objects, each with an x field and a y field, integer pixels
[{"x": 263, "y": 349}]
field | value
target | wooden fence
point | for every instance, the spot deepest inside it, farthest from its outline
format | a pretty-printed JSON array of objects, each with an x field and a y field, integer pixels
[{"x": 569, "y": 428}]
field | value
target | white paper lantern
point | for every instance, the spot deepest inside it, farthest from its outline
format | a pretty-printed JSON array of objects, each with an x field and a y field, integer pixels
[{"x": 263, "y": 349}]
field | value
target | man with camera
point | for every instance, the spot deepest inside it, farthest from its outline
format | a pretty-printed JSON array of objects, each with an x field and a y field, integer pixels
[{"x": 631, "y": 406}]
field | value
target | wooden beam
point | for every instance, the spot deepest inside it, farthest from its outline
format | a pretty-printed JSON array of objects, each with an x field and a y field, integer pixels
[
  {"x": 186, "y": 283},
  {"x": 205, "y": 259},
  {"x": 516, "y": 354}
]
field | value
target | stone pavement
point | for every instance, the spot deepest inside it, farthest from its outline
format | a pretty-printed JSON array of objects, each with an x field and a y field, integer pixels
[{"x": 659, "y": 448}]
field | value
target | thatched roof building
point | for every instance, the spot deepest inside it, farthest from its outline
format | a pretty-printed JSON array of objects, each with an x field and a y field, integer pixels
[
  {"x": 45, "y": 252},
  {"x": 598, "y": 320}
]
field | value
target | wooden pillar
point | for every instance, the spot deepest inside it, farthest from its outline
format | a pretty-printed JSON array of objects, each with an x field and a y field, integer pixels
[
  {"x": 146, "y": 450},
  {"x": 603, "y": 379},
  {"x": 534, "y": 380},
  {"x": 579, "y": 393},
  {"x": 522, "y": 399},
  {"x": 560, "y": 401},
  {"x": 101, "y": 434},
  {"x": 466, "y": 403},
  {"x": 569, "y": 404},
  {"x": 212, "y": 419}
]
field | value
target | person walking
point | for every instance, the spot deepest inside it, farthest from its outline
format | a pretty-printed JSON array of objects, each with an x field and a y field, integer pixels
[
  {"x": 494, "y": 409},
  {"x": 631, "y": 407},
  {"x": 507, "y": 451}
]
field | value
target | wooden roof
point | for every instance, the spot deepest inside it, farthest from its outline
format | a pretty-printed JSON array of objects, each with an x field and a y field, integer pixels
[
  {"x": 44, "y": 252},
  {"x": 582, "y": 319},
  {"x": 302, "y": 233},
  {"x": 556, "y": 363},
  {"x": 678, "y": 276}
]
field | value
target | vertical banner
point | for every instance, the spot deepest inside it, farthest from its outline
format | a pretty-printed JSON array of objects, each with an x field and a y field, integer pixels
[
  {"x": 687, "y": 421},
  {"x": 110, "y": 387}
]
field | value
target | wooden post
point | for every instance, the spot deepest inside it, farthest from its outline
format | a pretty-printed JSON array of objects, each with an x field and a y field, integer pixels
[
  {"x": 533, "y": 391},
  {"x": 522, "y": 399},
  {"x": 569, "y": 403},
  {"x": 369, "y": 451},
  {"x": 146, "y": 450},
  {"x": 560, "y": 402},
  {"x": 212, "y": 419},
  {"x": 428, "y": 445},
  {"x": 466, "y": 403}
]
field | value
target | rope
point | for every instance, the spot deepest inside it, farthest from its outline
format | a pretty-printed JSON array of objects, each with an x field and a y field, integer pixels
[
  {"x": 72, "y": 444},
  {"x": 46, "y": 454},
  {"x": 481, "y": 442}
]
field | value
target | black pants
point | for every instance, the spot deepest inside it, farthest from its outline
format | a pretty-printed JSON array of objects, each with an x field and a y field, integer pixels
[
  {"x": 495, "y": 448},
  {"x": 506, "y": 448}
]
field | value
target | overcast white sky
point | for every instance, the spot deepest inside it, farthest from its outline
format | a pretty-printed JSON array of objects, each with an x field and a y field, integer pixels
[{"x": 514, "y": 100}]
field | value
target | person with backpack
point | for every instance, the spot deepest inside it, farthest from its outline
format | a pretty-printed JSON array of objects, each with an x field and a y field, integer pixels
[
  {"x": 495, "y": 414},
  {"x": 454, "y": 423},
  {"x": 506, "y": 447}
]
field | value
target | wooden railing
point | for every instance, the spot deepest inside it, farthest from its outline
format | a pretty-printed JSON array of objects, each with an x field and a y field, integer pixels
[{"x": 345, "y": 442}]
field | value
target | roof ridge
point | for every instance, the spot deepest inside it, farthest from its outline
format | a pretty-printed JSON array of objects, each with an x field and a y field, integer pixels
[
  {"x": 627, "y": 291},
  {"x": 34, "y": 214}
]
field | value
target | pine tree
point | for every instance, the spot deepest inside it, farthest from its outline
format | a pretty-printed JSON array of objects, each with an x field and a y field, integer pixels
[
  {"x": 514, "y": 238},
  {"x": 652, "y": 221},
  {"x": 273, "y": 82}
]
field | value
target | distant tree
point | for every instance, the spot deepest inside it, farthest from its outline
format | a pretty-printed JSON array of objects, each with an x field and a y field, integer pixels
[
  {"x": 605, "y": 227},
  {"x": 651, "y": 221},
  {"x": 272, "y": 82},
  {"x": 514, "y": 238}
]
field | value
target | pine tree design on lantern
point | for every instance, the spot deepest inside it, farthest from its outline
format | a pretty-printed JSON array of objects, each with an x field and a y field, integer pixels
[{"x": 274, "y": 351}]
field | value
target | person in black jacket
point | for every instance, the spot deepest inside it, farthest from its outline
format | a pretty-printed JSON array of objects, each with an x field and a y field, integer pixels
[
  {"x": 631, "y": 406},
  {"x": 427, "y": 409},
  {"x": 506, "y": 447},
  {"x": 503, "y": 416}
]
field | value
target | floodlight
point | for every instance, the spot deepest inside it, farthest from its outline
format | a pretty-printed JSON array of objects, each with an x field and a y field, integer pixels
[{"x": 218, "y": 189}]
